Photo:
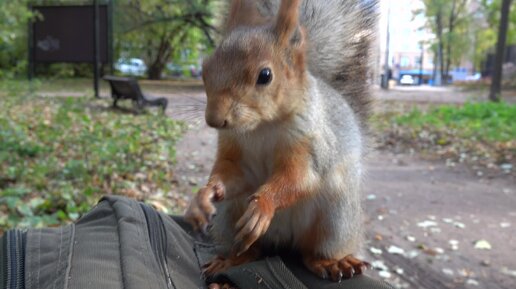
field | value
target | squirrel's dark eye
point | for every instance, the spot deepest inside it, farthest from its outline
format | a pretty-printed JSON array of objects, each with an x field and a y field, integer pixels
[{"x": 264, "y": 77}]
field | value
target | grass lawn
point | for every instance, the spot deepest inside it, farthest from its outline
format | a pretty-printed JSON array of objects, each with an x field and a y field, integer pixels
[
  {"x": 58, "y": 155},
  {"x": 483, "y": 132}
]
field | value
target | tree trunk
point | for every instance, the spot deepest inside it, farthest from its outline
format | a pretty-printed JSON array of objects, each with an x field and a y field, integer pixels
[
  {"x": 496, "y": 82},
  {"x": 451, "y": 26},
  {"x": 155, "y": 71},
  {"x": 440, "y": 48},
  {"x": 434, "y": 70},
  {"x": 161, "y": 57}
]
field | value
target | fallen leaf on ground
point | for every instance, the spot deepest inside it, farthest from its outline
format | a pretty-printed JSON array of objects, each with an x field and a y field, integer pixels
[
  {"x": 379, "y": 265},
  {"x": 482, "y": 245},
  {"x": 432, "y": 252},
  {"x": 375, "y": 251},
  {"x": 385, "y": 274},
  {"x": 411, "y": 239},
  {"x": 399, "y": 271},
  {"x": 509, "y": 272},
  {"x": 472, "y": 282},
  {"x": 396, "y": 250},
  {"x": 412, "y": 254},
  {"x": 427, "y": 224},
  {"x": 454, "y": 245}
]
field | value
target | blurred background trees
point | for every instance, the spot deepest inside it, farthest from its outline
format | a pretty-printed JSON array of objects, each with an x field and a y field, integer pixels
[
  {"x": 163, "y": 30},
  {"x": 169, "y": 37},
  {"x": 14, "y": 17},
  {"x": 496, "y": 82},
  {"x": 449, "y": 21},
  {"x": 165, "y": 34},
  {"x": 464, "y": 29}
]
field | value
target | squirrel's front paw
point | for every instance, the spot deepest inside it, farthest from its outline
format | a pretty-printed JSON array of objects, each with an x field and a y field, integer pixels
[
  {"x": 201, "y": 209},
  {"x": 254, "y": 223}
]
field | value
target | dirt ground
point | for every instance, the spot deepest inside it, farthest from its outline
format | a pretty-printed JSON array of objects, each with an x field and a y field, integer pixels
[{"x": 429, "y": 225}]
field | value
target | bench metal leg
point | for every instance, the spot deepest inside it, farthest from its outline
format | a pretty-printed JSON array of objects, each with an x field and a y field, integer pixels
[{"x": 163, "y": 102}]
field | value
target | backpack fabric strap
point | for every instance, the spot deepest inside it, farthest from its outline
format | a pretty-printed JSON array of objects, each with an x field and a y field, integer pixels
[
  {"x": 48, "y": 255},
  {"x": 269, "y": 273}
]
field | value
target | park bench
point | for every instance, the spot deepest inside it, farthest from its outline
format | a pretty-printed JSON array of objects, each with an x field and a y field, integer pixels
[{"x": 128, "y": 88}]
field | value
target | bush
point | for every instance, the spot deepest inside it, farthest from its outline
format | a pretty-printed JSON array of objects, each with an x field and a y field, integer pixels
[
  {"x": 479, "y": 133},
  {"x": 487, "y": 121}
]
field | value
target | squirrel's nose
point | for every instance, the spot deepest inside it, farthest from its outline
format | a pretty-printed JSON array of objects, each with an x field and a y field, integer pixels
[{"x": 216, "y": 122}]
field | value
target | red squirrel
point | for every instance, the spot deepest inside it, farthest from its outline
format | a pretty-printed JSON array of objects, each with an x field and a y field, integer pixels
[{"x": 287, "y": 90}]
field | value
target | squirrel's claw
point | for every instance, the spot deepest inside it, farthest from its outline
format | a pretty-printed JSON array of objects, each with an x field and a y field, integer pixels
[
  {"x": 201, "y": 209},
  {"x": 253, "y": 224},
  {"x": 337, "y": 270},
  {"x": 219, "y": 286},
  {"x": 217, "y": 265}
]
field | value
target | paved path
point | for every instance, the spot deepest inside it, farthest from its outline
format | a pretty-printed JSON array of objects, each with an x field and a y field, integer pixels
[
  {"x": 427, "y": 94},
  {"x": 436, "y": 214}
]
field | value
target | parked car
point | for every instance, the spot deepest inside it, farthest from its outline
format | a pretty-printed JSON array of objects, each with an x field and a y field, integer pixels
[
  {"x": 174, "y": 70},
  {"x": 131, "y": 66},
  {"x": 183, "y": 70},
  {"x": 407, "y": 80},
  {"x": 195, "y": 71},
  {"x": 474, "y": 77}
]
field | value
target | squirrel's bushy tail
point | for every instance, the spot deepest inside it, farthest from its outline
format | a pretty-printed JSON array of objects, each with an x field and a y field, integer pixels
[{"x": 340, "y": 35}]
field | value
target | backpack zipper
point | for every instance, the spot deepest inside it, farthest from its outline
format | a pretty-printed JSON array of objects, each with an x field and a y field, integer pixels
[
  {"x": 16, "y": 240},
  {"x": 158, "y": 241}
]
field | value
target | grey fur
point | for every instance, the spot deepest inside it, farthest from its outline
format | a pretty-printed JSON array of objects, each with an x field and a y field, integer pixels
[{"x": 339, "y": 47}]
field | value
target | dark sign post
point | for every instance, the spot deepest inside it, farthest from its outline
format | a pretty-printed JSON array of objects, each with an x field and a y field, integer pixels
[
  {"x": 72, "y": 34},
  {"x": 96, "y": 40}
]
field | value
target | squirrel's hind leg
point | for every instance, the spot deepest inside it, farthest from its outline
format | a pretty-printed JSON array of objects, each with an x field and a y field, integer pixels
[{"x": 337, "y": 270}]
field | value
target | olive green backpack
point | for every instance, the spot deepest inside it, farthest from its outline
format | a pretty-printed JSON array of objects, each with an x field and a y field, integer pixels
[{"x": 125, "y": 244}]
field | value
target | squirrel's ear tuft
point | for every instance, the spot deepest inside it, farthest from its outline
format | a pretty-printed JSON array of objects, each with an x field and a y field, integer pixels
[
  {"x": 243, "y": 13},
  {"x": 232, "y": 20},
  {"x": 287, "y": 23}
]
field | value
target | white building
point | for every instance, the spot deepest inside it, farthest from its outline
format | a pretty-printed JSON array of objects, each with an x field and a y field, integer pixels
[
  {"x": 408, "y": 39},
  {"x": 407, "y": 33}
]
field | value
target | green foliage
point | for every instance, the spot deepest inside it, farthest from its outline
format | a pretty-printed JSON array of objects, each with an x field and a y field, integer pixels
[
  {"x": 158, "y": 33},
  {"x": 486, "y": 32},
  {"x": 474, "y": 32},
  {"x": 450, "y": 21},
  {"x": 14, "y": 17},
  {"x": 492, "y": 15},
  {"x": 59, "y": 155},
  {"x": 486, "y": 121}
]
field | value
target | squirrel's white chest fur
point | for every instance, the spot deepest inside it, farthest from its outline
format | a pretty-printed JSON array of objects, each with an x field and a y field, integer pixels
[{"x": 258, "y": 156}]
